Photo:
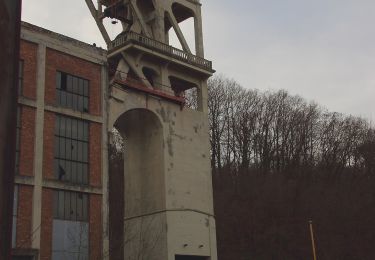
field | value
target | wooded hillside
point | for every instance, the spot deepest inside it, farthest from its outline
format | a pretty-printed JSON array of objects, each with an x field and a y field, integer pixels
[{"x": 279, "y": 161}]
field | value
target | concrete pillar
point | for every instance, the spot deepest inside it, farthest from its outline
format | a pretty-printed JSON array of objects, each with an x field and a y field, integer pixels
[
  {"x": 203, "y": 98},
  {"x": 199, "y": 49},
  {"x": 38, "y": 153},
  {"x": 158, "y": 25},
  {"x": 105, "y": 167}
]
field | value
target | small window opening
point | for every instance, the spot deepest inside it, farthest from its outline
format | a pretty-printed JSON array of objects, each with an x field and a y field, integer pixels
[
  {"x": 186, "y": 89},
  {"x": 150, "y": 75}
]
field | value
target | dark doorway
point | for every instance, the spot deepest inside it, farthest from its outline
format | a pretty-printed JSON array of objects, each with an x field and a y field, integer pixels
[
  {"x": 191, "y": 257},
  {"x": 20, "y": 257}
]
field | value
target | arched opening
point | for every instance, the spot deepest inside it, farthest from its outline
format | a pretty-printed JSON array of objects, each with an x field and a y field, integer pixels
[
  {"x": 136, "y": 188},
  {"x": 146, "y": 7},
  {"x": 181, "y": 12}
]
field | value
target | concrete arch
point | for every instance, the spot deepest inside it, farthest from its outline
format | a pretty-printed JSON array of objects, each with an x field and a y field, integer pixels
[
  {"x": 182, "y": 12},
  {"x": 146, "y": 6},
  {"x": 123, "y": 102},
  {"x": 144, "y": 188}
]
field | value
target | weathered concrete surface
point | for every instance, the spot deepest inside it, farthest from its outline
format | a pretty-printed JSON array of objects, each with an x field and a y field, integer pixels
[
  {"x": 167, "y": 176},
  {"x": 168, "y": 190}
]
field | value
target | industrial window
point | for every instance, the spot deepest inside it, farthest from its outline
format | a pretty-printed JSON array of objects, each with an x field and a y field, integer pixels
[
  {"x": 72, "y": 92},
  {"x": 20, "y": 77},
  {"x": 72, "y": 206},
  {"x": 70, "y": 238},
  {"x": 71, "y": 150},
  {"x": 15, "y": 213},
  {"x": 18, "y": 139}
]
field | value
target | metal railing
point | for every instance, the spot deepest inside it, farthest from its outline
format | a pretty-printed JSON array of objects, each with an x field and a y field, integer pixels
[{"x": 132, "y": 37}]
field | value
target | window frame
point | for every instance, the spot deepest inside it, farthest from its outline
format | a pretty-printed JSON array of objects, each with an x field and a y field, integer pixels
[
  {"x": 72, "y": 165},
  {"x": 72, "y": 92},
  {"x": 62, "y": 206},
  {"x": 63, "y": 217}
]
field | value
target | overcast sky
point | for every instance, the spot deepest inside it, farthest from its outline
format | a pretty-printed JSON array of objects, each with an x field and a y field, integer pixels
[{"x": 322, "y": 50}]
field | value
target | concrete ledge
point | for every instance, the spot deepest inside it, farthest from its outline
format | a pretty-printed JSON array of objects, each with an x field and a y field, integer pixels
[
  {"x": 52, "y": 184},
  {"x": 74, "y": 113},
  {"x": 26, "y": 101},
  {"x": 62, "y": 43},
  {"x": 26, "y": 252},
  {"x": 61, "y": 110},
  {"x": 58, "y": 185},
  {"x": 24, "y": 180}
]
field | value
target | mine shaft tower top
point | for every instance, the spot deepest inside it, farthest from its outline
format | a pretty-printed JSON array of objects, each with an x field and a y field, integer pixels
[
  {"x": 149, "y": 22},
  {"x": 142, "y": 50}
]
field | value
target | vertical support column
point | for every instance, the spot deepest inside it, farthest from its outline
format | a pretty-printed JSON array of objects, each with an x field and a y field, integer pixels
[
  {"x": 38, "y": 152},
  {"x": 198, "y": 26},
  {"x": 203, "y": 98},
  {"x": 165, "y": 79},
  {"x": 213, "y": 241},
  {"x": 158, "y": 26},
  {"x": 105, "y": 167}
]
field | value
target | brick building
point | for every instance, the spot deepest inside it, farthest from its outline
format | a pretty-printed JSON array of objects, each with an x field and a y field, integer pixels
[{"x": 60, "y": 201}]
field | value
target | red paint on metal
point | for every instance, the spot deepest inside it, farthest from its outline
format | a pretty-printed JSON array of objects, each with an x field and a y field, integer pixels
[{"x": 136, "y": 85}]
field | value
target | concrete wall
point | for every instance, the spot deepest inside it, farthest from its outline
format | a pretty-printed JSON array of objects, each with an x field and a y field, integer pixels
[{"x": 187, "y": 212}]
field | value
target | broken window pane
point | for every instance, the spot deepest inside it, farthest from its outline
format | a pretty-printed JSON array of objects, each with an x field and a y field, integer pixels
[
  {"x": 71, "y": 91},
  {"x": 71, "y": 149},
  {"x": 70, "y": 205}
]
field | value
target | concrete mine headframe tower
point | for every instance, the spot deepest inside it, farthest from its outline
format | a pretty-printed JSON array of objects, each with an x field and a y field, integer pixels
[{"x": 168, "y": 188}]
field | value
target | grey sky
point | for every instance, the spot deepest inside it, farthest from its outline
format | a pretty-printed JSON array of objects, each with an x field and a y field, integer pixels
[{"x": 322, "y": 50}]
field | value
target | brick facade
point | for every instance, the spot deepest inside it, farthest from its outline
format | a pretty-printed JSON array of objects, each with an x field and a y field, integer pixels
[
  {"x": 95, "y": 158},
  {"x": 46, "y": 228},
  {"x": 27, "y": 139},
  {"x": 48, "y": 153},
  {"x": 95, "y": 227},
  {"x": 24, "y": 238},
  {"x": 64, "y": 61},
  {"x": 28, "y": 53}
]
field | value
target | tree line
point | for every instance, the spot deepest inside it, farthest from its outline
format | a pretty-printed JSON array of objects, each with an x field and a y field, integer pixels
[
  {"x": 279, "y": 161},
  {"x": 276, "y": 132}
]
